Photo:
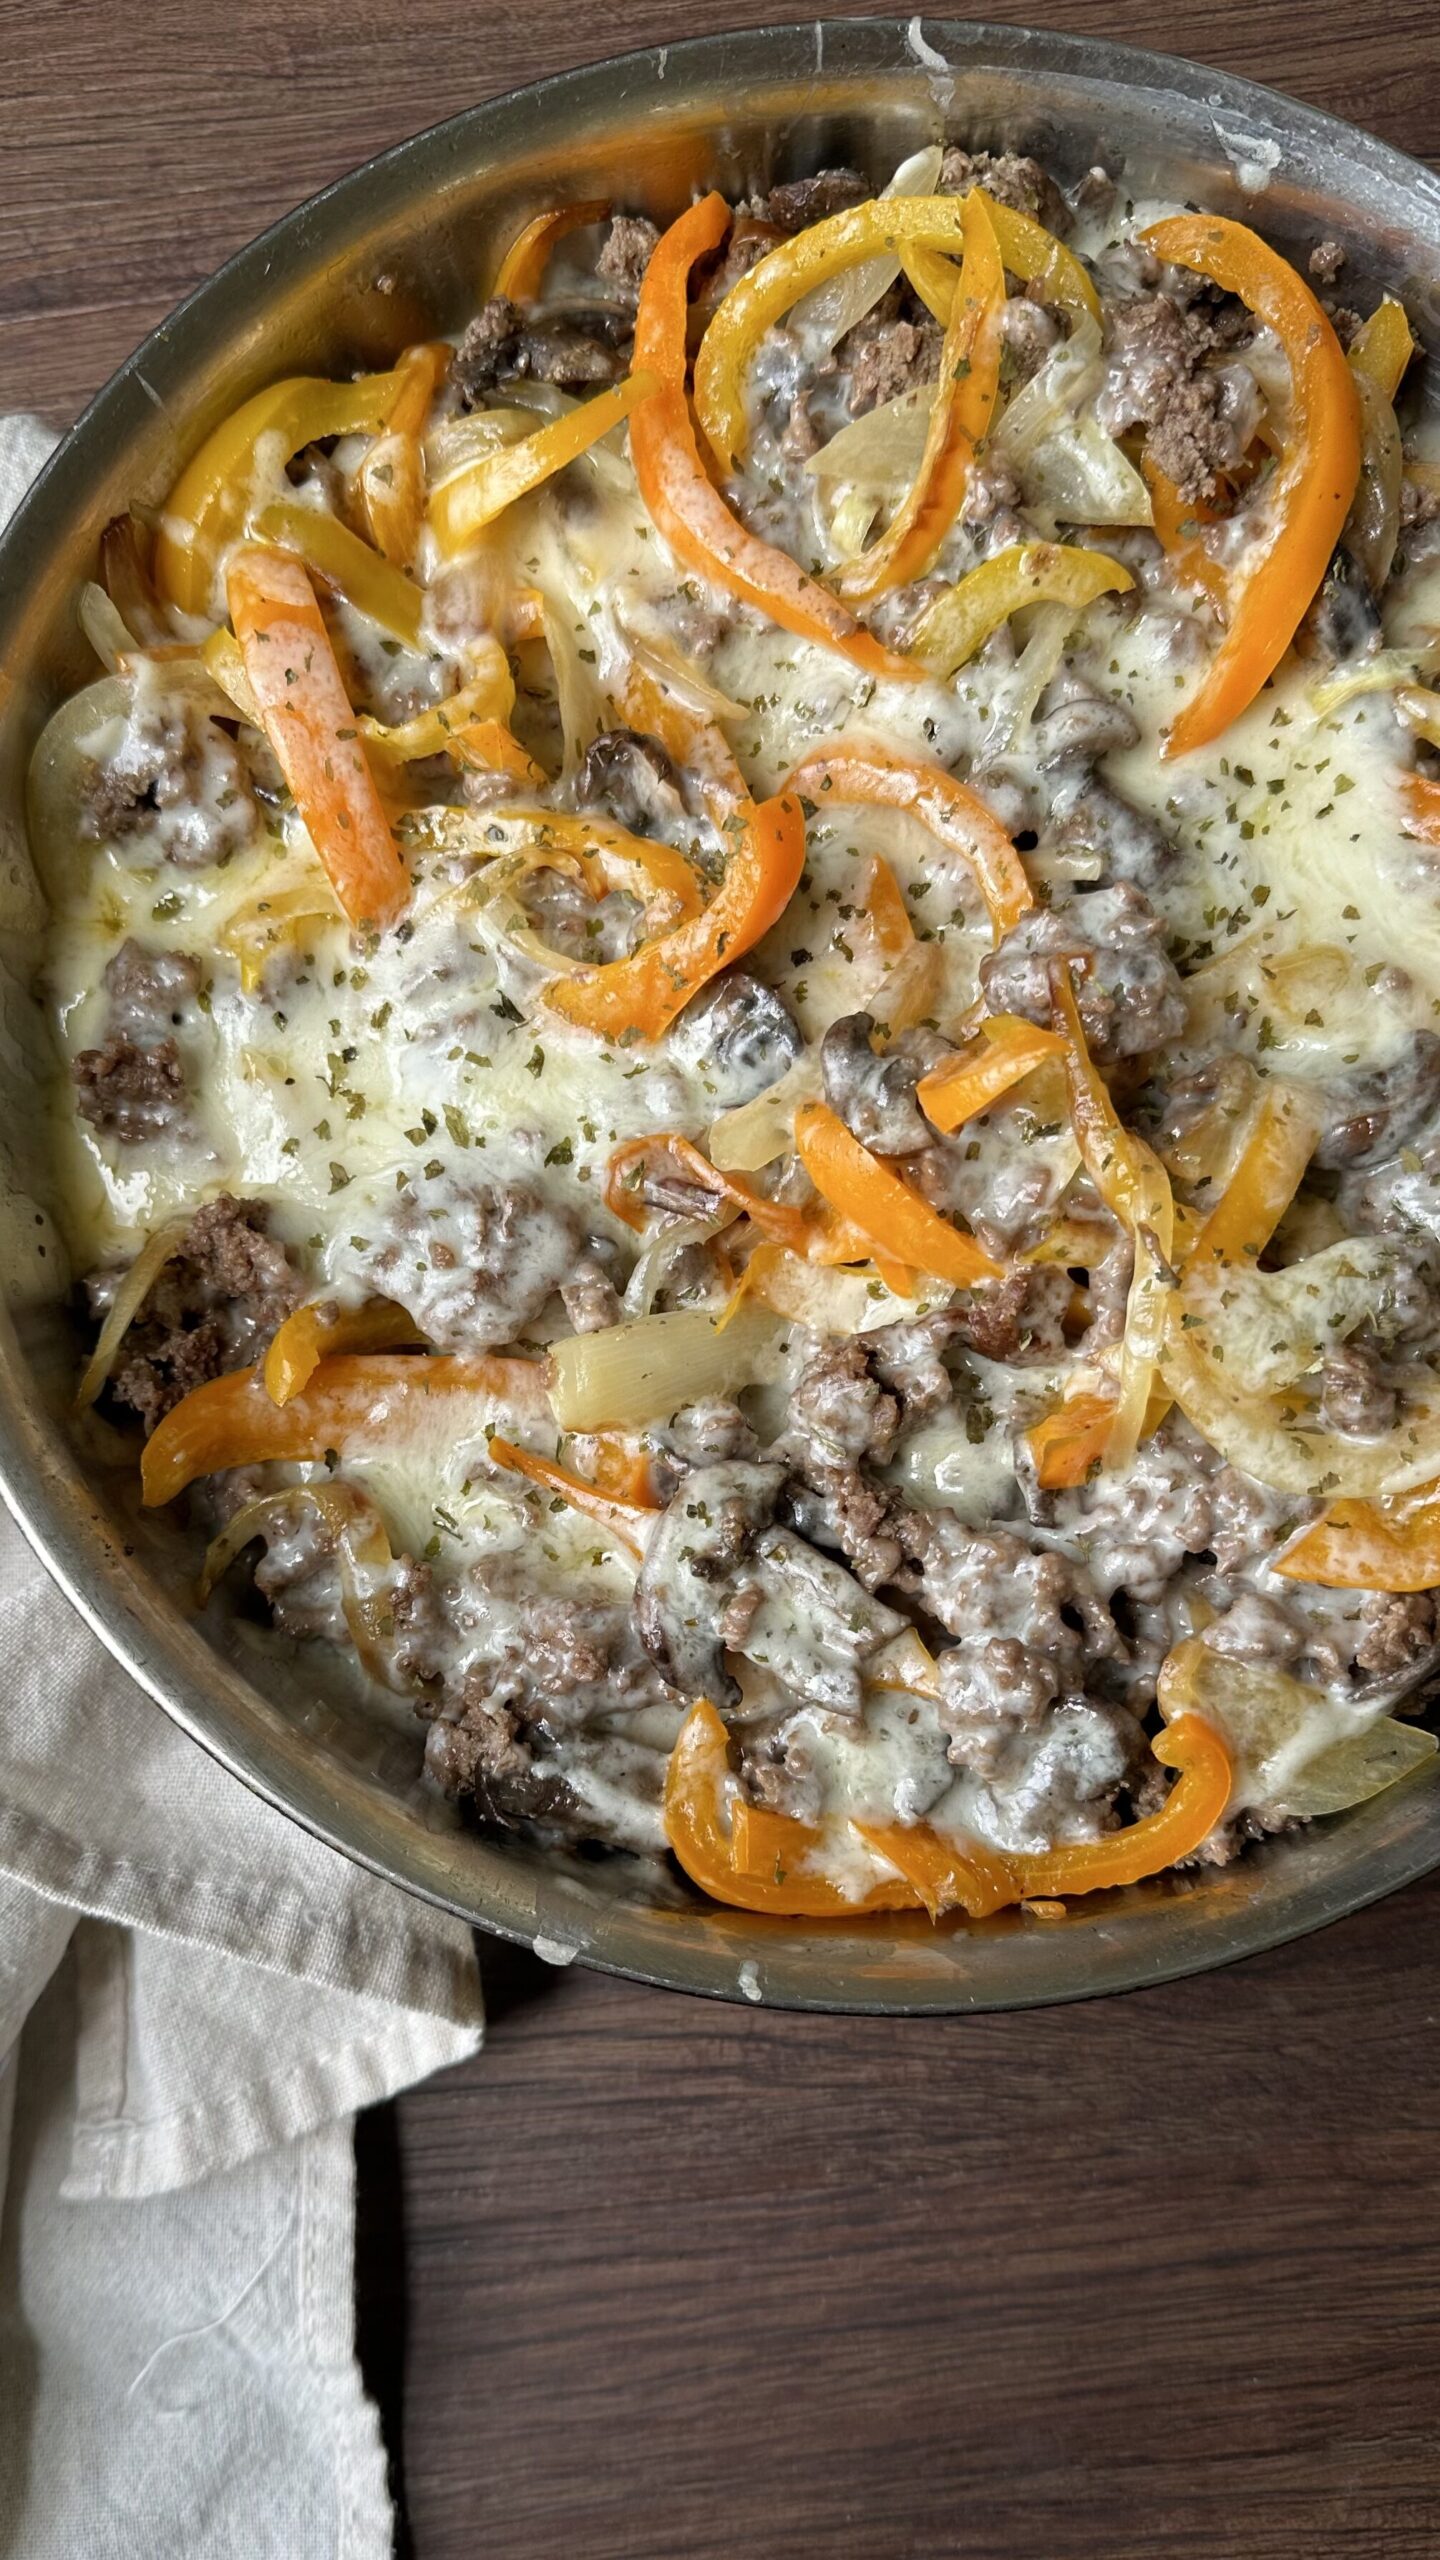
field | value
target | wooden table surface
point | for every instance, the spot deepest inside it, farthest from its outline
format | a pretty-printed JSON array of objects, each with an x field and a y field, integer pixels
[{"x": 654, "y": 2280}]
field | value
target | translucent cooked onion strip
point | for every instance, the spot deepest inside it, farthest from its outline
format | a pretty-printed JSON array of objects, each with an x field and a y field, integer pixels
[
  {"x": 364, "y": 1559},
  {"x": 1135, "y": 1187},
  {"x": 126, "y": 1304},
  {"x": 1278, "y": 1439},
  {"x": 640, "y": 1372},
  {"x": 1292, "y": 1751}
]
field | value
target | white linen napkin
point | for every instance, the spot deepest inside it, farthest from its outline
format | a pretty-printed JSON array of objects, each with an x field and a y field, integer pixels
[{"x": 195, "y": 1998}]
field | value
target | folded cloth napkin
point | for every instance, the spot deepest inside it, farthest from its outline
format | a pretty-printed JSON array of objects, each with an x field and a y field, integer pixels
[{"x": 195, "y": 1998}]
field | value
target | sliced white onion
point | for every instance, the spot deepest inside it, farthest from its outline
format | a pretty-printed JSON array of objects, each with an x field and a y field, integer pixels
[
  {"x": 824, "y": 316},
  {"x": 753, "y": 1134},
  {"x": 105, "y": 627},
  {"x": 129, "y": 1298},
  {"x": 1054, "y": 443},
  {"x": 881, "y": 452},
  {"x": 641, "y": 1372}
]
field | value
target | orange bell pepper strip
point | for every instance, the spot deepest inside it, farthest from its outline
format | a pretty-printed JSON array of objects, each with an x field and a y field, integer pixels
[
  {"x": 693, "y": 743},
  {"x": 1389, "y": 1544},
  {"x": 1422, "y": 807},
  {"x": 1266, "y": 1178},
  {"x": 959, "y": 422},
  {"x": 871, "y": 776},
  {"x": 891, "y": 1215},
  {"x": 1069, "y": 1444},
  {"x": 1180, "y": 525},
  {"x": 390, "y": 482},
  {"x": 1315, "y": 474},
  {"x": 629, "y": 1522},
  {"x": 641, "y": 996},
  {"x": 317, "y": 1331},
  {"x": 623, "y": 1177},
  {"x": 1194, "y": 1805},
  {"x": 472, "y": 497},
  {"x": 206, "y": 509},
  {"x": 886, "y": 909},
  {"x": 522, "y": 269},
  {"x": 1008, "y": 1050},
  {"x": 755, "y": 1862},
  {"x": 310, "y": 725},
  {"x": 680, "y": 499},
  {"x": 354, "y": 1398}
]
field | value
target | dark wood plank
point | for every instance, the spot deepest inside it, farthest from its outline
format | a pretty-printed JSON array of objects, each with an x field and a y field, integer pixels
[
  {"x": 142, "y": 141},
  {"x": 1150, "y": 2280}
]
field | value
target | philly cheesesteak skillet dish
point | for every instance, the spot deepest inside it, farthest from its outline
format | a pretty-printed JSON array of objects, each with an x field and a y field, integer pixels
[{"x": 750, "y": 970}]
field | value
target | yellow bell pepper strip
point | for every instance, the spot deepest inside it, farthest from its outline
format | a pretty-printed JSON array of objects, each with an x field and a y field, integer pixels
[
  {"x": 1382, "y": 347},
  {"x": 207, "y": 507},
  {"x": 1135, "y": 1187},
  {"x": 522, "y": 269},
  {"x": 892, "y": 1216},
  {"x": 1377, "y": 356},
  {"x": 317, "y": 1331},
  {"x": 391, "y": 479},
  {"x": 356, "y": 1397},
  {"x": 491, "y": 747},
  {"x": 708, "y": 1850},
  {"x": 1030, "y": 252},
  {"x": 680, "y": 499},
  {"x": 1315, "y": 475},
  {"x": 641, "y": 996},
  {"x": 356, "y": 571},
  {"x": 292, "y": 673},
  {"x": 490, "y": 694},
  {"x": 871, "y": 776},
  {"x": 463, "y": 505},
  {"x": 962, "y": 619},
  {"x": 1009, "y": 1050},
  {"x": 960, "y": 418},
  {"x": 1390, "y": 1544},
  {"x": 624, "y": 1178},
  {"x": 607, "y": 855},
  {"x": 1268, "y": 1174},
  {"x": 629, "y": 1522},
  {"x": 887, "y": 225},
  {"x": 1068, "y": 1445},
  {"x": 1194, "y": 1805}
]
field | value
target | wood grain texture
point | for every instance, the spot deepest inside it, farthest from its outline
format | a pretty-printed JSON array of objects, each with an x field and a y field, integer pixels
[{"x": 1157, "y": 2279}]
